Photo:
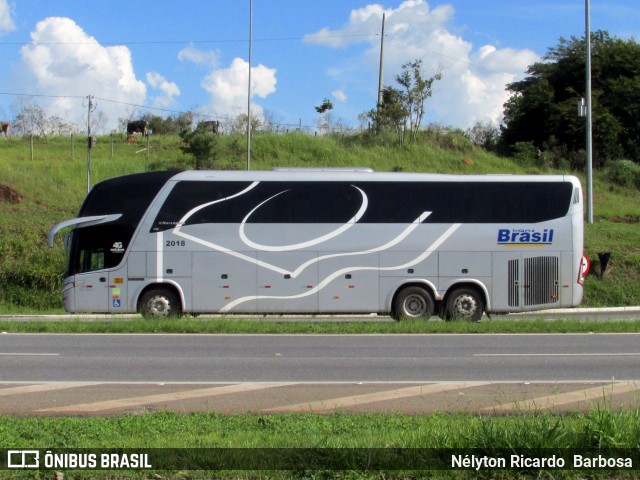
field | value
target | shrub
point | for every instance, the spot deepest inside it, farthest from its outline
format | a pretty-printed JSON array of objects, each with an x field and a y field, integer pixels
[{"x": 624, "y": 173}]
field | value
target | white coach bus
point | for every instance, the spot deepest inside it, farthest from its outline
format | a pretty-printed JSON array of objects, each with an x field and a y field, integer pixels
[{"x": 326, "y": 241}]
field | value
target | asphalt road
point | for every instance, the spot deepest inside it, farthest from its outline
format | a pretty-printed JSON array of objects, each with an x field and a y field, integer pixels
[
  {"x": 318, "y": 358},
  {"x": 62, "y": 374}
]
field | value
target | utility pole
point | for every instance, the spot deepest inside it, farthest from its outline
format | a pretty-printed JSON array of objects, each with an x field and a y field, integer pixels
[
  {"x": 89, "y": 142},
  {"x": 381, "y": 62},
  {"x": 249, "y": 88},
  {"x": 589, "y": 121}
]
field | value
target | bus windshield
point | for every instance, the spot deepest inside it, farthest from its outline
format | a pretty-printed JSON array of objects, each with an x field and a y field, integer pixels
[{"x": 103, "y": 246}]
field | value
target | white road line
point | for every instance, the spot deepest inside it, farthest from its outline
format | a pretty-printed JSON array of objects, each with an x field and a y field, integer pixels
[
  {"x": 334, "y": 403},
  {"x": 47, "y": 387},
  {"x": 630, "y": 354},
  {"x": 604, "y": 391},
  {"x": 22, "y": 354},
  {"x": 161, "y": 398}
]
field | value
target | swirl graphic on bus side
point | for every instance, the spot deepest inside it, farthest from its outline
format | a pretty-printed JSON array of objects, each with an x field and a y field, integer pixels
[{"x": 309, "y": 243}]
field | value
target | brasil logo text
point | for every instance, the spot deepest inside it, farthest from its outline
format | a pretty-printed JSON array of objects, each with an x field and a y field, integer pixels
[{"x": 523, "y": 237}]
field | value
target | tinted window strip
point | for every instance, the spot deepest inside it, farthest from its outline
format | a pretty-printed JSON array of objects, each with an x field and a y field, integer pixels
[{"x": 387, "y": 202}]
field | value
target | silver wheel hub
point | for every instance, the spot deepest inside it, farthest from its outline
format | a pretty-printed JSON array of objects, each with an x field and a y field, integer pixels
[
  {"x": 415, "y": 306},
  {"x": 159, "y": 307},
  {"x": 465, "y": 305}
]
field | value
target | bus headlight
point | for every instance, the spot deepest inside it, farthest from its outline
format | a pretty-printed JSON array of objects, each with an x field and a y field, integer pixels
[{"x": 70, "y": 285}]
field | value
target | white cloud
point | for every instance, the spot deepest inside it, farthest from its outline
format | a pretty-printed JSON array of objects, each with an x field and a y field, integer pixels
[
  {"x": 339, "y": 95},
  {"x": 473, "y": 85},
  {"x": 169, "y": 89},
  {"x": 363, "y": 23},
  {"x": 64, "y": 60},
  {"x": 199, "y": 57},
  {"x": 6, "y": 22},
  {"x": 228, "y": 87}
]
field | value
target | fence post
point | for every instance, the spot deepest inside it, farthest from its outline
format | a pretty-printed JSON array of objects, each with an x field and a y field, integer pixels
[
  {"x": 111, "y": 146},
  {"x": 72, "y": 146},
  {"x": 31, "y": 145}
]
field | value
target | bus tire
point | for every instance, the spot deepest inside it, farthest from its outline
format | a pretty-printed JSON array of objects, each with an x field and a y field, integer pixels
[
  {"x": 464, "y": 304},
  {"x": 159, "y": 303},
  {"x": 413, "y": 302}
]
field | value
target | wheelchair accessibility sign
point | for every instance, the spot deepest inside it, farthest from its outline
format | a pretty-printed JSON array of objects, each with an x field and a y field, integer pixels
[{"x": 115, "y": 297}]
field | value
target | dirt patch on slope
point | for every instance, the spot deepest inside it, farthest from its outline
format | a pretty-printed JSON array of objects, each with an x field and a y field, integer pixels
[{"x": 10, "y": 195}]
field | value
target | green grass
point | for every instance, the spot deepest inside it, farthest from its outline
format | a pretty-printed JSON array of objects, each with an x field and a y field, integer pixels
[
  {"x": 257, "y": 326},
  {"x": 54, "y": 184},
  {"x": 600, "y": 429}
]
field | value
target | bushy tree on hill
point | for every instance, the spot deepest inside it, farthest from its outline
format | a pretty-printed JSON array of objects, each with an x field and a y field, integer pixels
[
  {"x": 201, "y": 145},
  {"x": 169, "y": 125},
  {"x": 542, "y": 109},
  {"x": 402, "y": 109}
]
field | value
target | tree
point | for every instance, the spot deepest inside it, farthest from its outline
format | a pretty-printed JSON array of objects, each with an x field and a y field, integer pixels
[
  {"x": 391, "y": 114},
  {"x": 325, "y": 120},
  {"x": 417, "y": 89},
  {"x": 542, "y": 108},
  {"x": 404, "y": 108},
  {"x": 169, "y": 125},
  {"x": 31, "y": 119},
  {"x": 485, "y": 135},
  {"x": 239, "y": 123},
  {"x": 325, "y": 106},
  {"x": 201, "y": 146}
]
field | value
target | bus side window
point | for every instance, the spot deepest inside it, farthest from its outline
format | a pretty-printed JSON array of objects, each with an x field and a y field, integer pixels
[{"x": 91, "y": 259}]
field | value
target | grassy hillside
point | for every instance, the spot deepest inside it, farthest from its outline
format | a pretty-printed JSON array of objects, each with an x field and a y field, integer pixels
[{"x": 53, "y": 184}]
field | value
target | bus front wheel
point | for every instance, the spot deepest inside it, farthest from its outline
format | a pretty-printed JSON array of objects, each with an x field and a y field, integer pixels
[
  {"x": 464, "y": 304},
  {"x": 413, "y": 302},
  {"x": 159, "y": 303}
]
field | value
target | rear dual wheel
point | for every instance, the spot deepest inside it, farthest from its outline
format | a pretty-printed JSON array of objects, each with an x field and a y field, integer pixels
[{"x": 464, "y": 304}]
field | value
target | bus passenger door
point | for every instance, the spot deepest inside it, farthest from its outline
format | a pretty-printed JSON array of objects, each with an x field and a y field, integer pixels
[
  {"x": 92, "y": 290},
  {"x": 97, "y": 250}
]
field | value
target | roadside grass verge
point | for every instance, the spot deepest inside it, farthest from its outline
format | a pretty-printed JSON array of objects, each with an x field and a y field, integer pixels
[
  {"x": 274, "y": 326},
  {"x": 528, "y": 434}
]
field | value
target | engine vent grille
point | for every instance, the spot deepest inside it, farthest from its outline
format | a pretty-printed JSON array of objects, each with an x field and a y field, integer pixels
[
  {"x": 514, "y": 277},
  {"x": 541, "y": 280}
]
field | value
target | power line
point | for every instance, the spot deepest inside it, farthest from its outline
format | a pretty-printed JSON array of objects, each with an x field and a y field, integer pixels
[
  {"x": 181, "y": 42},
  {"x": 147, "y": 107},
  {"x": 39, "y": 95}
]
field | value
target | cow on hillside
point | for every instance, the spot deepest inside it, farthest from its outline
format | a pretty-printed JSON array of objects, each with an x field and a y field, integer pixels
[
  {"x": 212, "y": 126},
  {"x": 4, "y": 128},
  {"x": 137, "y": 126}
]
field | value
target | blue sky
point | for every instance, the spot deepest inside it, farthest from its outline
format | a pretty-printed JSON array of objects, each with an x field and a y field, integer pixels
[{"x": 192, "y": 55}]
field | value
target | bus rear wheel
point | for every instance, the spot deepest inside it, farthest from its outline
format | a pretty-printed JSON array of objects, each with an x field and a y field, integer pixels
[
  {"x": 159, "y": 303},
  {"x": 413, "y": 302},
  {"x": 464, "y": 304}
]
